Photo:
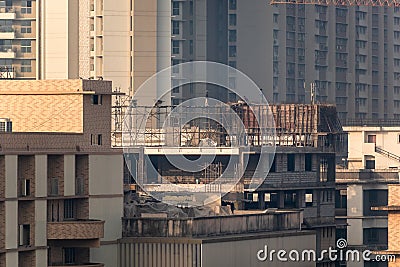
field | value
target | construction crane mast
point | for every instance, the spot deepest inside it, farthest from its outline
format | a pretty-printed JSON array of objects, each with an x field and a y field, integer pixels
[{"x": 391, "y": 3}]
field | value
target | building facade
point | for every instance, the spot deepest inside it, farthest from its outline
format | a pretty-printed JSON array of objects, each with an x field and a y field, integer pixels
[
  {"x": 60, "y": 181},
  {"x": 199, "y": 242},
  {"x": 362, "y": 183},
  {"x": 350, "y": 54},
  {"x": 308, "y": 140}
]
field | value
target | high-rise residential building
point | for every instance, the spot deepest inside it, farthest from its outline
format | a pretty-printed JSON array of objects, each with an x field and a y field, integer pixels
[
  {"x": 122, "y": 41},
  {"x": 199, "y": 32},
  {"x": 61, "y": 196},
  {"x": 351, "y": 54}
]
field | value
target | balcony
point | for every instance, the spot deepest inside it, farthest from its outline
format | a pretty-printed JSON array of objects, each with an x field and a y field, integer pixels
[
  {"x": 7, "y": 72},
  {"x": 6, "y": 52},
  {"x": 7, "y": 13},
  {"x": 7, "y": 32},
  {"x": 75, "y": 229},
  {"x": 78, "y": 265}
]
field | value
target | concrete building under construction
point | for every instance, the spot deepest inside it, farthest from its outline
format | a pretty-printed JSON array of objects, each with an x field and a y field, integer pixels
[{"x": 307, "y": 139}]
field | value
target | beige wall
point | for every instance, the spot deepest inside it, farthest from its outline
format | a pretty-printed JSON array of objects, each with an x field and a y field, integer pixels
[
  {"x": 387, "y": 138},
  {"x": 43, "y": 106},
  {"x": 106, "y": 203},
  {"x": 230, "y": 251},
  {"x": 69, "y": 175},
  {"x": 60, "y": 39},
  {"x": 244, "y": 253}
]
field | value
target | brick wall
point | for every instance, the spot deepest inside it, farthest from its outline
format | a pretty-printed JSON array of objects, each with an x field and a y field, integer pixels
[
  {"x": 55, "y": 169},
  {"x": 26, "y": 258},
  {"x": 26, "y": 215},
  {"x": 394, "y": 231},
  {"x": 2, "y": 177},
  {"x": 394, "y": 195},
  {"x": 75, "y": 230},
  {"x": 82, "y": 171},
  {"x": 82, "y": 255},
  {"x": 82, "y": 208},
  {"x": 2, "y": 260},
  {"x": 26, "y": 170},
  {"x": 2, "y": 226},
  {"x": 50, "y": 105},
  {"x": 55, "y": 210}
]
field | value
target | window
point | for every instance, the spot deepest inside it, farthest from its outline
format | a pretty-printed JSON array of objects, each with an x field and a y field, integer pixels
[
  {"x": 232, "y": 36},
  {"x": 54, "y": 186},
  {"x": 97, "y": 99},
  {"x": 69, "y": 255},
  {"x": 191, "y": 49},
  {"x": 308, "y": 162},
  {"x": 26, "y": 7},
  {"x": 232, "y": 20},
  {"x": 26, "y": 46},
  {"x": 341, "y": 12},
  {"x": 361, "y": 30},
  {"x": 371, "y": 138},
  {"x": 25, "y": 187},
  {"x": 26, "y": 66},
  {"x": 175, "y": 47},
  {"x": 175, "y": 90},
  {"x": 323, "y": 170},
  {"x": 191, "y": 27},
  {"x": 361, "y": 44},
  {"x": 191, "y": 8},
  {"x": 24, "y": 235},
  {"x": 79, "y": 186},
  {"x": 176, "y": 68},
  {"x": 69, "y": 211},
  {"x": 175, "y": 27},
  {"x": 232, "y": 51},
  {"x": 232, "y": 4},
  {"x": 175, "y": 8},
  {"x": 290, "y": 162},
  {"x": 369, "y": 162},
  {"x": 175, "y": 102},
  {"x": 309, "y": 199},
  {"x": 96, "y": 139},
  {"x": 26, "y": 26}
]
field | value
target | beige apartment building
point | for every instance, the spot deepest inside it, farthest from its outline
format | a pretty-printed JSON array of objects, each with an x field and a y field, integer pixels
[
  {"x": 60, "y": 181},
  {"x": 362, "y": 182},
  {"x": 122, "y": 41}
]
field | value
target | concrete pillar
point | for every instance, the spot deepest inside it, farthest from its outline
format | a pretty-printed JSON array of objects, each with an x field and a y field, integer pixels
[{"x": 281, "y": 199}]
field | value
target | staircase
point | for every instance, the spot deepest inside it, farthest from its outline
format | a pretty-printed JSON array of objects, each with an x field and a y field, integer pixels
[{"x": 387, "y": 153}]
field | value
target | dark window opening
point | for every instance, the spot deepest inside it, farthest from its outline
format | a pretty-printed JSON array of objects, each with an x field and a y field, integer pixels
[
  {"x": 308, "y": 162},
  {"x": 371, "y": 138},
  {"x": 291, "y": 162},
  {"x": 273, "y": 165},
  {"x": 69, "y": 210},
  {"x": 24, "y": 234},
  {"x": 370, "y": 164},
  {"x": 69, "y": 255},
  {"x": 97, "y": 99}
]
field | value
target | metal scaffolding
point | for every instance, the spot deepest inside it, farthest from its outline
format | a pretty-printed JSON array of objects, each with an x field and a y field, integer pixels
[{"x": 281, "y": 125}]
